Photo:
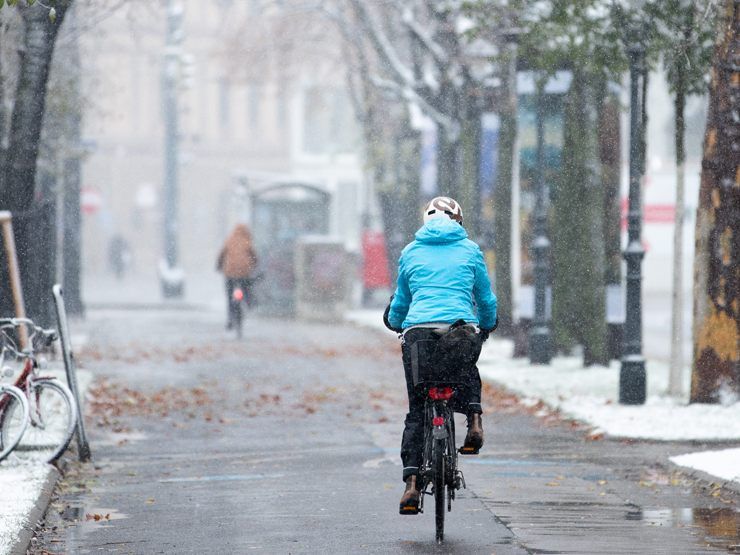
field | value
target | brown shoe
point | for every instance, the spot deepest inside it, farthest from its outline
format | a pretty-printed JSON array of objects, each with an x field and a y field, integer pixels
[
  {"x": 474, "y": 438},
  {"x": 410, "y": 499}
]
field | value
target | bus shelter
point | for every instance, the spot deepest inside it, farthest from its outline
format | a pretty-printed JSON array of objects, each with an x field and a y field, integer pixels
[{"x": 282, "y": 213}]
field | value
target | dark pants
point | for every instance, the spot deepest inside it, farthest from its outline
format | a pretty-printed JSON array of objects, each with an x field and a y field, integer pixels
[
  {"x": 466, "y": 400},
  {"x": 231, "y": 284}
]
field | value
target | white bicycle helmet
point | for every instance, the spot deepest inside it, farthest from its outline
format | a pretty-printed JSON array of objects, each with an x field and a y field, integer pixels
[{"x": 443, "y": 207}]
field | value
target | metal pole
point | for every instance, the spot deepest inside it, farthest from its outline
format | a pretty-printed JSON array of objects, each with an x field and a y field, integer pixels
[
  {"x": 632, "y": 376},
  {"x": 83, "y": 446},
  {"x": 540, "y": 351},
  {"x": 171, "y": 274}
]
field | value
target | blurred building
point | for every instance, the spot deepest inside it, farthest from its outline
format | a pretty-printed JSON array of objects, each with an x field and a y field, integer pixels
[{"x": 260, "y": 103}]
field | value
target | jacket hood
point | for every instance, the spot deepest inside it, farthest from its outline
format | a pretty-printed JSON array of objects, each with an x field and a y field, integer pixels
[{"x": 441, "y": 230}]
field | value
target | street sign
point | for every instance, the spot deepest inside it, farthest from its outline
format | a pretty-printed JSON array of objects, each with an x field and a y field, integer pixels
[{"x": 90, "y": 200}]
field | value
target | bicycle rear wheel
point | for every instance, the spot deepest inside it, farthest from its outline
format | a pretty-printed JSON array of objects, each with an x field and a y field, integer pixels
[
  {"x": 13, "y": 418},
  {"x": 52, "y": 419},
  {"x": 438, "y": 467},
  {"x": 238, "y": 317}
]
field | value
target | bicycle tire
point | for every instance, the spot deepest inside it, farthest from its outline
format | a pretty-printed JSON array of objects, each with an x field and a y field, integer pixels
[
  {"x": 438, "y": 468},
  {"x": 13, "y": 418},
  {"x": 52, "y": 420},
  {"x": 239, "y": 317}
]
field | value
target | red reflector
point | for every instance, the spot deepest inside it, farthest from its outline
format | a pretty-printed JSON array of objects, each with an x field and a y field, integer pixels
[
  {"x": 440, "y": 393},
  {"x": 238, "y": 294},
  {"x": 438, "y": 421}
]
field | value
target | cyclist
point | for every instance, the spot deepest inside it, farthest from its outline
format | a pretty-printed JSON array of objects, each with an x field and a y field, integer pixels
[
  {"x": 442, "y": 283},
  {"x": 238, "y": 262}
]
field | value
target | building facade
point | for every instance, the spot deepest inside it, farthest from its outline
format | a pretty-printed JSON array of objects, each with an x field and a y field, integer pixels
[{"x": 247, "y": 118}]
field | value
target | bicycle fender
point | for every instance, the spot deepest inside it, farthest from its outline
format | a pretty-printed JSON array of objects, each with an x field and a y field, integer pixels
[{"x": 439, "y": 432}]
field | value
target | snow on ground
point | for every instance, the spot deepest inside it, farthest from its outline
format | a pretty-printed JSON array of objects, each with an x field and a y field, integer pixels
[
  {"x": 591, "y": 394},
  {"x": 21, "y": 481},
  {"x": 724, "y": 464},
  {"x": 20, "y": 486}
]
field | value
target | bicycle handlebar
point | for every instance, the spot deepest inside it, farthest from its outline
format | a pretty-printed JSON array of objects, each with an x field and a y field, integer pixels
[{"x": 47, "y": 335}]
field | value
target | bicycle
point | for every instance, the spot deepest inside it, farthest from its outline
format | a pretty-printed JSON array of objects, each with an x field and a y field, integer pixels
[
  {"x": 51, "y": 408},
  {"x": 439, "y": 462},
  {"x": 237, "y": 297},
  {"x": 14, "y": 420}
]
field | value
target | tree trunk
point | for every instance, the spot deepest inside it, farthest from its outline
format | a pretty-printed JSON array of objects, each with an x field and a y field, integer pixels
[
  {"x": 502, "y": 194},
  {"x": 448, "y": 164},
  {"x": 469, "y": 195},
  {"x": 396, "y": 172},
  {"x": 716, "y": 367},
  {"x": 578, "y": 253},
  {"x": 17, "y": 187},
  {"x": 72, "y": 226},
  {"x": 675, "y": 378},
  {"x": 609, "y": 158},
  {"x": 18, "y": 174}
]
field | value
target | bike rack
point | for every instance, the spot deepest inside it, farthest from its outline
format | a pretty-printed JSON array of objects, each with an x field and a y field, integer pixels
[{"x": 83, "y": 447}]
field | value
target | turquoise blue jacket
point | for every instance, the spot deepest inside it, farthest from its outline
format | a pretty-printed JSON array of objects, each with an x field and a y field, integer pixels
[{"x": 440, "y": 274}]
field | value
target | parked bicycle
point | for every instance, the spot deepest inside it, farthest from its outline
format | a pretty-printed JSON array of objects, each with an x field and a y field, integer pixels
[
  {"x": 50, "y": 406},
  {"x": 13, "y": 422}
]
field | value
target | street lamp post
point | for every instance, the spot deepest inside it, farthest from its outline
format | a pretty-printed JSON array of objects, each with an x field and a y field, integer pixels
[
  {"x": 171, "y": 275},
  {"x": 540, "y": 351},
  {"x": 632, "y": 376}
]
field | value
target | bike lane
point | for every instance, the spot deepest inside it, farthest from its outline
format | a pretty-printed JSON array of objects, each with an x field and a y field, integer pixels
[{"x": 286, "y": 442}]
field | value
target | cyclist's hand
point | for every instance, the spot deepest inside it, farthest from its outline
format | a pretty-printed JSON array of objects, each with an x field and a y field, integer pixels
[
  {"x": 484, "y": 333},
  {"x": 386, "y": 321}
]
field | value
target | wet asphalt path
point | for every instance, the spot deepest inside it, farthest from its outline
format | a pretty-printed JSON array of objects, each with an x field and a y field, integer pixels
[{"x": 287, "y": 441}]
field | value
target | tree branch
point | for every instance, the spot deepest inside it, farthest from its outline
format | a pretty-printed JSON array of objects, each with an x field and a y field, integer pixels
[
  {"x": 410, "y": 95},
  {"x": 383, "y": 46},
  {"x": 425, "y": 39}
]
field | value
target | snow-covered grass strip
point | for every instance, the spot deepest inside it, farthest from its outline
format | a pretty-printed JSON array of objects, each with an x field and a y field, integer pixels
[
  {"x": 20, "y": 489},
  {"x": 724, "y": 464},
  {"x": 22, "y": 480},
  {"x": 591, "y": 395}
]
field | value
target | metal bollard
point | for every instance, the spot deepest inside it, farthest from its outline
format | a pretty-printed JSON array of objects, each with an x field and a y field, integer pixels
[{"x": 83, "y": 447}]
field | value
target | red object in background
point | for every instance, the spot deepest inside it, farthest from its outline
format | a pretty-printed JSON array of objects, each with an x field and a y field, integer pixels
[
  {"x": 238, "y": 294},
  {"x": 374, "y": 260},
  {"x": 651, "y": 213},
  {"x": 91, "y": 200}
]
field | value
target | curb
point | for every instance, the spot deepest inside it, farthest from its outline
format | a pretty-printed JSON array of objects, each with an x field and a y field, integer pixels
[
  {"x": 706, "y": 478},
  {"x": 25, "y": 534}
]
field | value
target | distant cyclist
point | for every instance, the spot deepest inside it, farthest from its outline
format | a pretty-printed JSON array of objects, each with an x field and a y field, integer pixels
[
  {"x": 238, "y": 262},
  {"x": 443, "y": 283}
]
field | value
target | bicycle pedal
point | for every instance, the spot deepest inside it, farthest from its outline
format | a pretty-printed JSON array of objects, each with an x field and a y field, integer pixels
[
  {"x": 468, "y": 450},
  {"x": 409, "y": 510}
]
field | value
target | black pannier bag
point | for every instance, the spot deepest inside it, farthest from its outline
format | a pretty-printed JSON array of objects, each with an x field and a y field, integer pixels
[{"x": 446, "y": 357}]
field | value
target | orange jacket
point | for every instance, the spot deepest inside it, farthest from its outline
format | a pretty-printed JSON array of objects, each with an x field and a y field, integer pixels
[{"x": 237, "y": 258}]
